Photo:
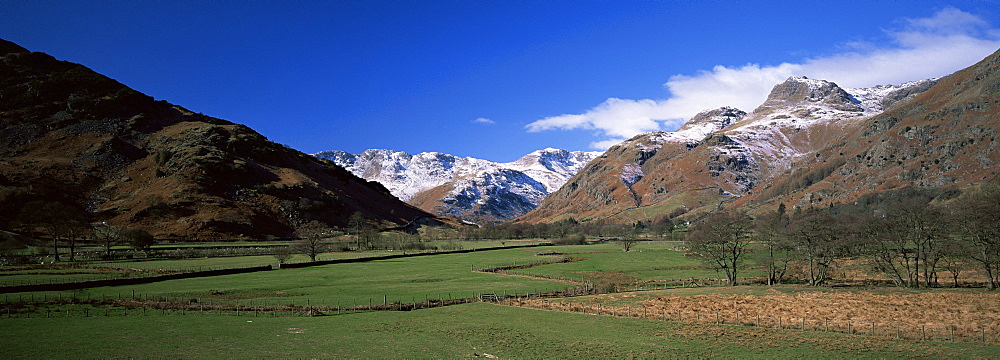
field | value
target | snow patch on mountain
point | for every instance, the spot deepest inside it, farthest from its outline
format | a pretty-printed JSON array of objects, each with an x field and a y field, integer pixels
[
  {"x": 485, "y": 188},
  {"x": 631, "y": 173},
  {"x": 799, "y": 105},
  {"x": 878, "y": 98}
]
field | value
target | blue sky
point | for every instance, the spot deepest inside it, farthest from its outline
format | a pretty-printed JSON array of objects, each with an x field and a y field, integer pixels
[{"x": 492, "y": 79}]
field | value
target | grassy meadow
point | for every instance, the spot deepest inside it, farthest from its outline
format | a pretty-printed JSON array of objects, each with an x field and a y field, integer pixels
[
  {"x": 54, "y": 325},
  {"x": 461, "y": 331}
]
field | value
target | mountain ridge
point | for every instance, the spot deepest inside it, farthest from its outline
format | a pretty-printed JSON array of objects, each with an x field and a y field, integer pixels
[
  {"x": 784, "y": 151},
  {"x": 464, "y": 187},
  {"x": 82, "y": 142}
]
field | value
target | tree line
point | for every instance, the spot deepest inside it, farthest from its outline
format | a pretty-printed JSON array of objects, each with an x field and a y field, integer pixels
[
  {"x": 909, "y": 240},
  {"x": 64, "y": 228}
]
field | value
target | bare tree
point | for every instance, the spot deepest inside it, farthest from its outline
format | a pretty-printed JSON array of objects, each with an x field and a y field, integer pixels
[
  {"x": 976, "y": 217},
  {"x": 312, "y": 239},
  {"x": 108, "y": 236},
  {"x": 722, "y": 237},
  {"x": 907, "y": 243},
  {"x": 821, "y": 238},
  {"x": 282, "y": 254},
  {"x": 772, "y": 229},
  {"x": 62, "y": 222},
  {"x": 629, "y": 237},
  {"x": 75, "y": 230},
  {"x": 366, "y": 234},
  {"x": 888, "y": 251}
]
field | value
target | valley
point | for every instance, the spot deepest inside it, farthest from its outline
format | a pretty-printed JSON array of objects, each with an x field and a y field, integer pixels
[
  {"x": 827, "y": 222},
  {"x": 337, "y": 310}
]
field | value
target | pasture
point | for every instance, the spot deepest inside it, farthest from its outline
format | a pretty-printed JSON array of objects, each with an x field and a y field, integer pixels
[{"x": 73, "y": 324}]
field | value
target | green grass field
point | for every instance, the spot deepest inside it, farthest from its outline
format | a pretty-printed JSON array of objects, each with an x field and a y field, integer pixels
[
  {"x": 100, "y": 270},
  {"x": 462, "y": 331},
  {"x": 397, "y": 280},
  {"x": 657, "y": 260},
  {"x": 458, "y": 331}
]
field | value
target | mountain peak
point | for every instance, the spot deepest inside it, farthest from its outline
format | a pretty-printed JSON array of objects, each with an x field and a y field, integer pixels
[
  {"x": 468, "y": 188},
  {"x": 801, "y": 90},
  {"x": 707, "y": 122},
  {"x": 722, "y": 116}
]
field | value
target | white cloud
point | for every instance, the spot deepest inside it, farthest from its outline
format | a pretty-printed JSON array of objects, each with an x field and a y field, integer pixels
[
  {"x": 484, "y": 121},
  {"x": 922, "y": 48},
  {"x": 614, "y": 117}
]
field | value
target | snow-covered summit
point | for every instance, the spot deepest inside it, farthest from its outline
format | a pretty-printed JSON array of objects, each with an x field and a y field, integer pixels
[
  {"x": 880, "y": 97},
  {"x": 460, "y": 183},
  {"x": 800, "y": 91},
  {"x": 694, "y": 130},
  {"x": 707, "y": 122}
]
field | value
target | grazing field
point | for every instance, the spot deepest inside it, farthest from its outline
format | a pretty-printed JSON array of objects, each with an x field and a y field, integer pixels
[
  {"x": 684, "y": 322},
  {"x": 462, "y": 331},
  {"x": 645, "y": 262},
  {"x": 142, "y": 267},
  {"x": 382, "y": 281}
]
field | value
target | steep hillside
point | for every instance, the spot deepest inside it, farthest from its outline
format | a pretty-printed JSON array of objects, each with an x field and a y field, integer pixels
[
  {"x": 76, "y": 138},
  {"x": 466, "y": 188},
  {"x": 945, "y": 137},
  {"x": 780, "y": 152},
  {"x": 626, "y": 176}
]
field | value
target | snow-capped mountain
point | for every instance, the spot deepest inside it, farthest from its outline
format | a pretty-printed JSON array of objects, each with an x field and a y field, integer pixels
[
  {"x": 463, "y": 187},
  {"x": 722, "y": 154}
]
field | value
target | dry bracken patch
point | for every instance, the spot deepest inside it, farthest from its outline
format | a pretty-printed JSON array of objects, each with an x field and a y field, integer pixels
[{"x": 940, "y": 315}]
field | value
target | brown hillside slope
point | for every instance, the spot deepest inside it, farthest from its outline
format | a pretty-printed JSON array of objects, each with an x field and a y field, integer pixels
[
  {"x": 75, "y": 137},
  {"x": 809, "y": 144},
  {"x": 640, "y": 173},
  {"x": 945, "y": 137}
]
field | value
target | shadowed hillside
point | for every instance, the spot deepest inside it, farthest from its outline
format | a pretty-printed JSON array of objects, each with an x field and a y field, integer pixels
[{"x": 93, "y": 149}]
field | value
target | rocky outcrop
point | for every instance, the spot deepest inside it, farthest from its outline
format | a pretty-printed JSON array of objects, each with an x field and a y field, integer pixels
[{"x": 800, "y": 90}]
